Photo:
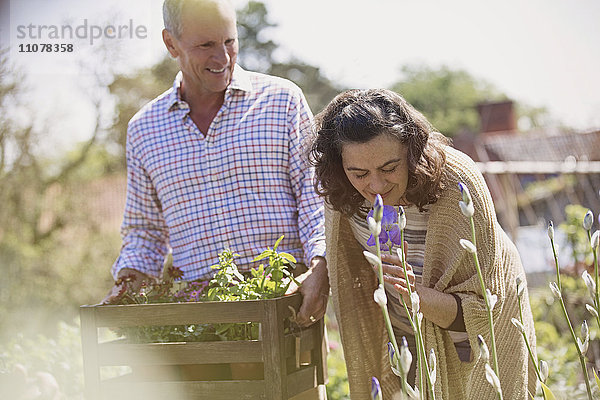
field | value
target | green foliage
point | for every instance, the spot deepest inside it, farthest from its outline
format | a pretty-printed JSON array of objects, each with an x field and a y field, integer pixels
[
  {"x": 554, "y": 344},
  {"x": 227, "y": 284},
  {"x": 256, "y": 51},
  {"x": 447, "y": 97}
]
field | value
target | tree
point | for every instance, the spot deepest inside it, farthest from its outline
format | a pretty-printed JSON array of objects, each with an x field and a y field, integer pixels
[
  {"x": 256, "y": 52},
  {"x": 448, "y": 98},
  {"x": 49, "y": 248}
]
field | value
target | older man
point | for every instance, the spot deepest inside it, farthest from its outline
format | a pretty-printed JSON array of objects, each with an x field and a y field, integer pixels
[{"x": 217, "y": 161}]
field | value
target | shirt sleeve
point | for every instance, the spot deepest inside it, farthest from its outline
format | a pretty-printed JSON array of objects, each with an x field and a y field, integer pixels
[
  {"x": 143, "y": 230},
  {"x": 310, "y": 205}
]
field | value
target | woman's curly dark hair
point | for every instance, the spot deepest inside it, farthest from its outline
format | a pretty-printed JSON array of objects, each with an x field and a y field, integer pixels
[{"x": 357, "y": 116}]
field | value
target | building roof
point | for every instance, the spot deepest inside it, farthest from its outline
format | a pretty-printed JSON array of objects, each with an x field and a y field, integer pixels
[{"x": 542, "y": 146}]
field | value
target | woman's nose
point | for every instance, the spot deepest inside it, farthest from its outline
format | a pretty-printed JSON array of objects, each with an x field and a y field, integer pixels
[{"x": 377, "y": 184}]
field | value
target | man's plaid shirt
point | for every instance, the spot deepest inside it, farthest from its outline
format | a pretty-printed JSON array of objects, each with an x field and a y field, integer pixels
[{"x": 240, "y": 186}]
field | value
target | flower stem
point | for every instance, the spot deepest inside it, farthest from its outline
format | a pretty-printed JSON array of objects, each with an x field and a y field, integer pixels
[
  {"x": 420, "y": 345},
  {"x": 533, "y": 360},
  {"x": 581, "y": 355},
  {"x": 566, "y": 315},
  {"x": 597, "y": 293},
  {"x": 386, "y": 315},
  {"x": 557, "y": 266},
  {"x": 487, "y": 303}
]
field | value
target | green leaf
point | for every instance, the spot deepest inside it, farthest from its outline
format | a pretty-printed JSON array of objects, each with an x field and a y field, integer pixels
[
  {"x": 548, "y": 393},
  {"x": 288, "y": 257},
  {"x": 262, "y": 255},
  {"x": 277, "y": 242},
  {"x": 597, "y": 379}
]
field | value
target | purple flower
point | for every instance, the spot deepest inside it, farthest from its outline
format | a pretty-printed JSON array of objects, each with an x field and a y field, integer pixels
[
  {"x": 377, "y": 208},
  {"x": 390, "y": 232},
  {"x": 375, "y": 389}
]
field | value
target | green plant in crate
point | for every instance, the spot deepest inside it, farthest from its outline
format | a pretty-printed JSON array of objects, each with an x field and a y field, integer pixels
[{"x": 228, "y": 284}]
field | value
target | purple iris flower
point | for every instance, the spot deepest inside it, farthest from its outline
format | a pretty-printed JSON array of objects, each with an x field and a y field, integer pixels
[
  {"x": 375, "y": 389},
  {"x": 390, "y": 232}
]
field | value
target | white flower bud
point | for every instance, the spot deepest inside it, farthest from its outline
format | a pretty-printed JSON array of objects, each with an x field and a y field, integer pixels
[
  {"x": 585, "y": 330},
  {"x": 518, "y": 324},
  {"x": 379, "y": 296},
  {"x": 413, "y": 393},
  {"x": 520, "y": 287},
  {"x": 374, "y": 226},
  {"x": 378, "y": 208},
  {"x": 492, "y": 378},
  {"x": 372, "y": 259},
  {"x": 544, "y": 370},
  {"x": 405, "y": 356},
  {"x": 468, "y": 246},
  {"x": 401, "y": 218},
  {"x": 419, "y": 318},
  {"x": 467, "y": 209},
  {"x": 432, "y": 366},
  {"x": 415, "y": 302},
  {"x": 583, "y": 346},
  {"x": 400, "y": 254},
  {"x": 464, "y": 191},
  {"x": 551, "y": 230},
  {"x": 555, "y": 290},
  {"x": 484, "y": 353},
  {"x": 592, "y": 310},
  {"x": 595, "y": 240},
  {"x": 589, "y": 283},
  {"x": 588, "y": 220},
  {"x": 491, "y": 298}
]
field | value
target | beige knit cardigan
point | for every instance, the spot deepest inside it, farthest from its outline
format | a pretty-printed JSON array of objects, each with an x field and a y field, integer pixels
[{"x": 449, "y": 269}]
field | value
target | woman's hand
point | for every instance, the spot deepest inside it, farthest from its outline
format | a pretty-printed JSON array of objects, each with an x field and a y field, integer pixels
[
  {"x": 393, "y": 273},
  {"x": 439, "y": 308}
]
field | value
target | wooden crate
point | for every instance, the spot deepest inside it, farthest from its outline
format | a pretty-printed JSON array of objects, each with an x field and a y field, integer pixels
[{"x": 276, "y": 350}]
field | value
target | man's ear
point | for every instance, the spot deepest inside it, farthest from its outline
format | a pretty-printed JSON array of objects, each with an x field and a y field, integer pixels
[{"x": 170, "y": 43}]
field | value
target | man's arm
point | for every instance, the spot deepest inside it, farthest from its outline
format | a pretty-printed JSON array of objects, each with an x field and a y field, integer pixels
[{"x": 143, "y": 230}]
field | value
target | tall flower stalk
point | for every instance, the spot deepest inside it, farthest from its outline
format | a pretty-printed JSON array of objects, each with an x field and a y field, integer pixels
[
  {"x": 399, "y": 364},
  {"x": 580, "y": 344},
  {"x": 467, "y": 208},
  {"x": 588, "y": 221},
  {"x": 416, "y": 317},
  {"x": 374, "y": 222},
  {"x": 541, "y": 369}
]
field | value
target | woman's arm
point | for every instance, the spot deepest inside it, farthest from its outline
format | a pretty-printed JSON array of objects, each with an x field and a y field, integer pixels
[{"x": 437, "y": 307}]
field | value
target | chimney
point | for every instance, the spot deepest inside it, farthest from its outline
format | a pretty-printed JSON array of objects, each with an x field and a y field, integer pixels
[{"x": 497, "y": 117}]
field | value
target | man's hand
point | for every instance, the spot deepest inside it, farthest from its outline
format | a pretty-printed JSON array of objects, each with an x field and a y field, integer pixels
[
  {"x": 315, "y": 292},
  {"x": 127, "y": 278}
]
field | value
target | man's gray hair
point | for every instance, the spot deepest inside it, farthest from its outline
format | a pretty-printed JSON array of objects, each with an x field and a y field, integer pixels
[
  {"x": 172, "y": 10},
  {"x": 172, "y": 16}
]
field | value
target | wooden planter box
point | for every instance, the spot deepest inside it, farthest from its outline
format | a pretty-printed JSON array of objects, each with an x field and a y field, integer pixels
[{"x": 276, "y": 372}]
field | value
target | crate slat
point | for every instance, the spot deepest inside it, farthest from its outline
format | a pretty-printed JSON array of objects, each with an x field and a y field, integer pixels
[
  {"x": 302, "y": 380},
  {"x": 179, "y": 353},
  {"x": 200, "y": 390}
]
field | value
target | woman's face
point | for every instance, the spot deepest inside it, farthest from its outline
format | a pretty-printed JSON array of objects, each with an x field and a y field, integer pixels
[{"x": 379, "y": 166}]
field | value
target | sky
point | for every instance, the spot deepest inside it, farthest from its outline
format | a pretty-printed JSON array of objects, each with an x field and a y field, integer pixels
[{"x": 545, "y": 53}]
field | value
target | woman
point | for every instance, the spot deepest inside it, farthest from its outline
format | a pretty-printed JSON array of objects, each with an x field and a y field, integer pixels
[{"x": 370, "y": 142}]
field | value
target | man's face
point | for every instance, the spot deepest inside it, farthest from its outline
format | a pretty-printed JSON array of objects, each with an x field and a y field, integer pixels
[{"x": 207, "y": 48}]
